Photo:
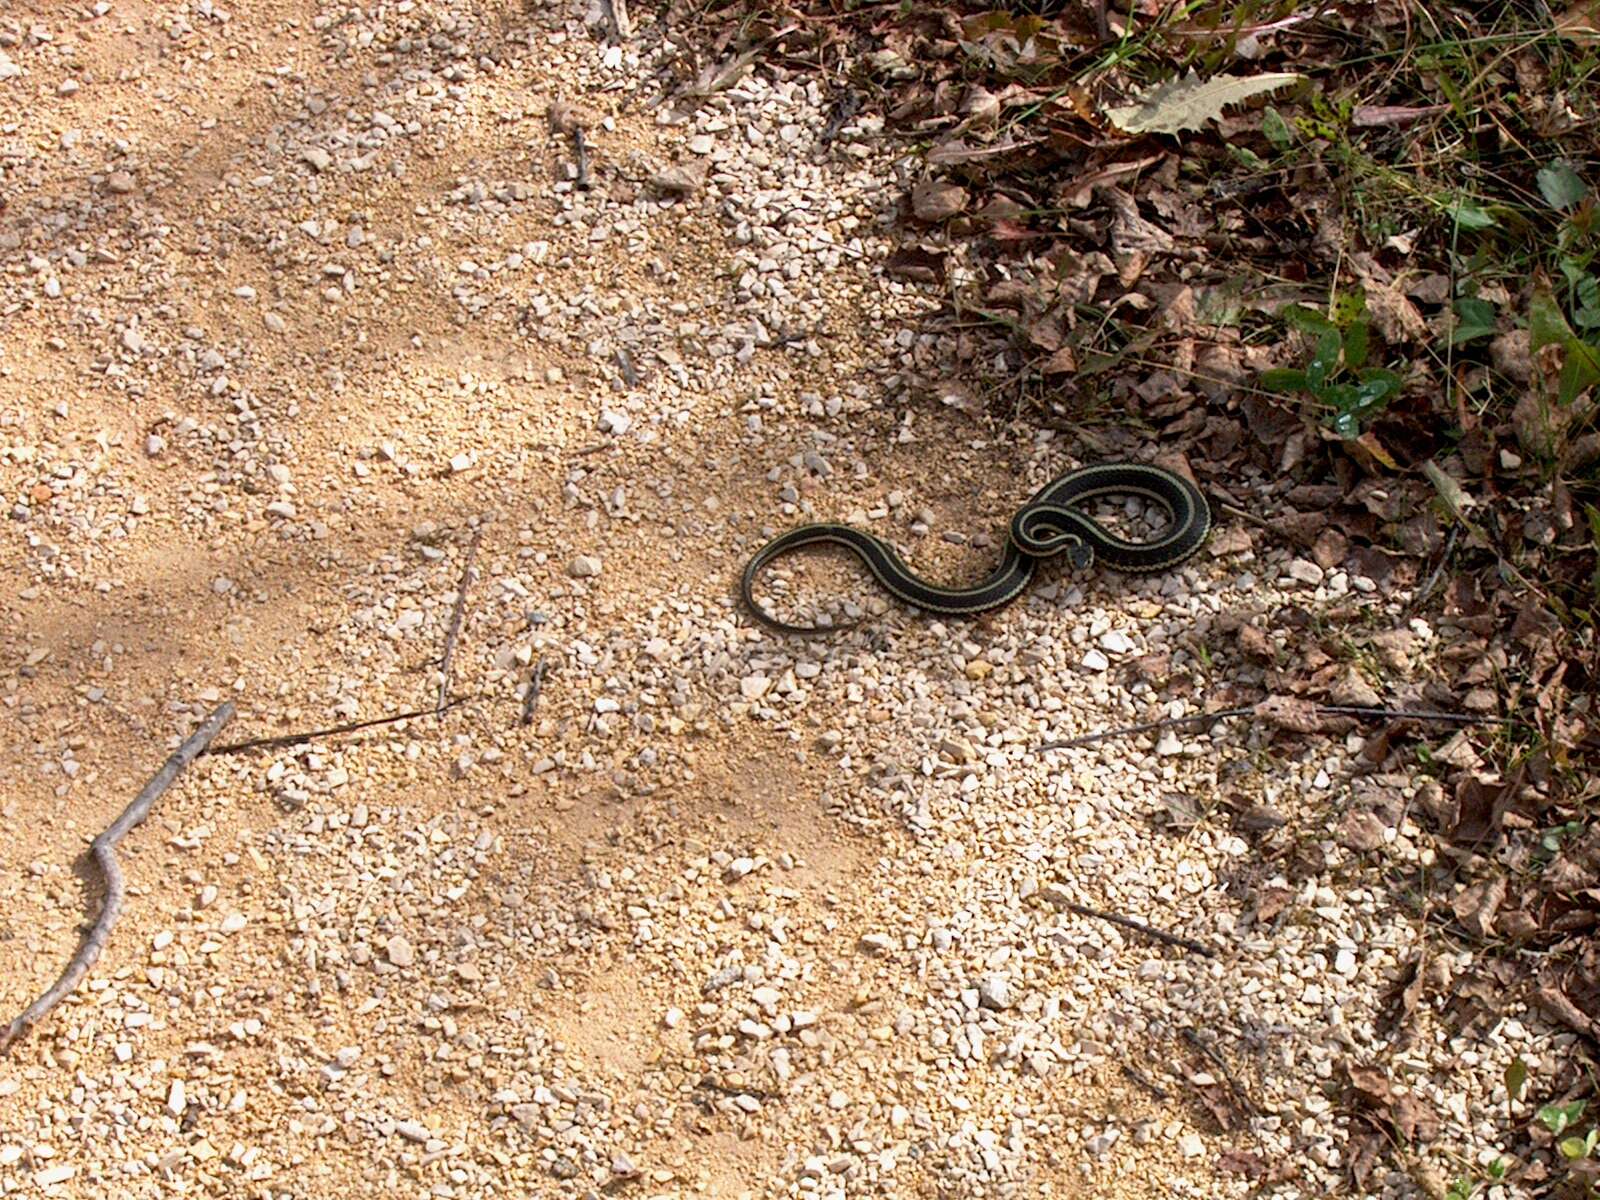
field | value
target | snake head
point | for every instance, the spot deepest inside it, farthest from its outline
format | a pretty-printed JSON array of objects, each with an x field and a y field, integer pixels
[{"x": 1080, "y": 554}]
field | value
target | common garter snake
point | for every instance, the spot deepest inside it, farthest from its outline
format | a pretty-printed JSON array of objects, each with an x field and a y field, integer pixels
[{"x": 1050, "y": 523}]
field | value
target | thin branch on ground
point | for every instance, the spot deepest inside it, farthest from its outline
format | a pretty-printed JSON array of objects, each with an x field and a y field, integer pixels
[
  {"x": 1421, "y": 597},
  {"x": 1244, "y": 514},
  {"x": 630, "y": 373},
  {"x": 1409, "y": 714},
  {"x": 1106, "y": 735},
  {"x": 1144, "y": 1081},
  {"x": 104, "y": 850},
  {"x": 531, "y": 699},
  {"x": 1199, "y": 1043},
  {"x": 307, "y": 735},
  {"x": 1160, "y": 935},
  {"x": 617, "y": 18},
  {"x": 581, "y": 149},
  {"x": 1330, "y": 710},
  {"x": 455, "y": 619}
]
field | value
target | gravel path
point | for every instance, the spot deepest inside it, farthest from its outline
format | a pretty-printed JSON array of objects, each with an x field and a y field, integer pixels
[{"x": 295, "y": 298}]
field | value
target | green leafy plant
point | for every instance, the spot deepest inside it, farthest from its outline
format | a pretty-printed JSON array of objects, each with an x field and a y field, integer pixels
[
  {"x": 1580, "y": 368},
  {"x": 1550, "y": 840},
  {"x": 1337, "y": 376},
  {"x": 1464, "y": 1188},
  {"x": 1559, "y": 1118},
  {"x": 1551, "y": 317}
]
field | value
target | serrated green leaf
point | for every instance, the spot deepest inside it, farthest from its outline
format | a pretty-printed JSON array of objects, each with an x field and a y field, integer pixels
[
  {"x": 1561, "y": 186},
  {"x": 1190, "y": 102}
]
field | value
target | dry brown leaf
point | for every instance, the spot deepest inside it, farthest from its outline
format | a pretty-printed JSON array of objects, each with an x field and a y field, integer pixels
[
  {"x": 1396, "y": 317},
  {"x": 980, "y": 108},
  {"x": 1481, "y": 805},
  {"x": 935, "y": 200},
  {"x": 1131, "y": 232},
  {"x": 1273, "y": 900},
  {"x": 1558, "y": 1006},
  {"x": 1475, "y": 908},
  {"x": 1414, "y": 1119},
  {"x": 955, "y": 151},
  {"x": 1392, "y": 115},
  {"x": 1361, "y": 831},
  {"x": 1512, "y": 355},
  {"x": 1370, "y": 1085},
  {"x": 1045, "y": 332},
  {"x": 1403, "y": 996},
  {"x": 916, "y": 264},
  {"x": 1362, "y": 1155},
  {"x": 1580, "y": 22},
  {"x": 1231, "y": 540},
  {"x": 1290, "y": 713},
  {"x": 718, "y": 77},
  {"x": 1077, "y": 192},
  {"x": 1063, "y": 362},
  {"x": 1576, "y": 868},
  {"x": 1241, "y": 1162}
]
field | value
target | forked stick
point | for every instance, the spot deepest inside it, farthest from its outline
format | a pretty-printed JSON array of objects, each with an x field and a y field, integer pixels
[{"x": 104, "y": 849}]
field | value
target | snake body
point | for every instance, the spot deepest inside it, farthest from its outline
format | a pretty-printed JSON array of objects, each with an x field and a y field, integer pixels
[{"x": 1049, "y": 524}]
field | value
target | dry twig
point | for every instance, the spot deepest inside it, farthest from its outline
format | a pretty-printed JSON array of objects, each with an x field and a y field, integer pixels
[
  {"x": 1105, "y": 735},
  {"x": 581, "y": 148},
  {"x": 630, "y": 373},
  {"x": 104, "y": 849},
  {"x": 1160, "y": 935},
  {"x": 1426, "y": 590},
  {"x": 1329, "y": 710},
  {"x": 455, "y": 620},
  {"x": 617, "y": 19},
  {"x": 1144, "y": 1081},
  {"x": 306, "y": 735},
  {"x": 1195, "y": 1040}
]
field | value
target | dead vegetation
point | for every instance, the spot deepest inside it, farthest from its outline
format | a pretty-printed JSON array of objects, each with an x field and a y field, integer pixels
[{"x": 1344, "y": 257}]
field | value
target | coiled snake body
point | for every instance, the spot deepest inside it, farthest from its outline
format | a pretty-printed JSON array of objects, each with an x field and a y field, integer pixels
[{"x": 1049, "y": 524}]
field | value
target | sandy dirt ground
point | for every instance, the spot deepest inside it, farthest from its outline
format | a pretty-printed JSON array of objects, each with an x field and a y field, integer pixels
[{"x": 300, "y": 297}]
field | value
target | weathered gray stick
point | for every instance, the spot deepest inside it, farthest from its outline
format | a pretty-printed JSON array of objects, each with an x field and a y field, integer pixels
[
  {"x": 455, "y": 621},
  {"x": 104, "y": 849},
  {"x": 1150, "y": 931},
  {"x": 617, "y": 17},
  {"x": 531, "y": 698}
]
